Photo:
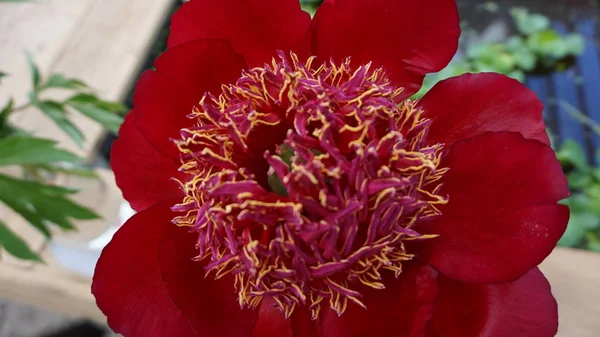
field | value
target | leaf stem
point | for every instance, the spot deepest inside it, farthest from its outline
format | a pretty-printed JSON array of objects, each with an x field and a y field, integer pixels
[{"x": 22, "y": 107}]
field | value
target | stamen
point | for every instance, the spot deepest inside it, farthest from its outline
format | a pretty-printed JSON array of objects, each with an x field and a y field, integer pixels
[{"x": 307, "y": 182}]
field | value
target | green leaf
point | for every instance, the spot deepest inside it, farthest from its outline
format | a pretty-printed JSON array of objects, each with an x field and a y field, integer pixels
[
  {"x": 525, "y": 58},
  {"x": 110, "y": 120},
  {"x": 6, "y": 111},
  {"x": 42, "y": 204},
  {"x": 548, "y": 43},
  {"x": 517, "y": 75},
  {"x": 95, "y": 101},
  {"x": 2, "y": 75},
  {"x": 29, "y": 150},
  {"x": 15, "y": 246},
  {"x": 596, "y": 174},
  {"x": 527, "y": 23},
  {"x": 11, "y": 131},
  {"x": 575, "y": 43},
  {"x": 457, "y": 67},
  {"x": 490, "y": 6},
  {"x": 571, "y": 153},
  {"x": 57, "y": 113},
  {"x": 515, "y": 43},
  {"x": 579, "y": 180},
  {"x": 503, "y": 62},
  {"x": 75, "y": 171},
  {"x": 59, "y": 81},
  {"x": 593, "y": 191},
  {"x": 581, "y": 203},
  {"x": 35, "y": 72},
  {"x": 579, "y": 224},
  {"x": 479, "y": 50},
  {"x": 592, "y": 242}
]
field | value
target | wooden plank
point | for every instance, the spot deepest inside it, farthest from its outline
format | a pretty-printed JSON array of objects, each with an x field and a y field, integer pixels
[
  {"x": 42, "y": 28},
  {"x": 565, "y": 88},
  {"x": 51, "y": 288},
  {"x": 575, "y": 276},
  {"x": 106, "y": 51},
  {"x": 539, "y": 84},
  {"x": 589, "y": 65}
]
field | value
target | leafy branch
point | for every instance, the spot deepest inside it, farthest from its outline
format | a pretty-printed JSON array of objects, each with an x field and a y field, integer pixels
[
  {"x": 108, "y": 114},
  {"x": 40, "y": 203}
]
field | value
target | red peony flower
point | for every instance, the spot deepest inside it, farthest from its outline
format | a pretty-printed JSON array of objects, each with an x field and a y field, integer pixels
[{"x": 287, "y": 185}]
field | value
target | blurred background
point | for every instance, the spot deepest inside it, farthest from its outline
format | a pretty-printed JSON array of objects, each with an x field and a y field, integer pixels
[{"x": 67, "y": 69}]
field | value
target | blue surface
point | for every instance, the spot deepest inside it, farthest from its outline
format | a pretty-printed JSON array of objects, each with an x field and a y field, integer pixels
[
  {"x": 565, "y": 89},
  {"x": 578, "y": 87},
  {"x": 539, "y": 85},
  {"x": 589, "y": 66}
]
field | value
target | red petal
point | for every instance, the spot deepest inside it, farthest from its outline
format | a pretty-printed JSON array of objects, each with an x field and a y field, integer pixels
[
  {"x": 271, "y": 322},
  {"x": 142, "y": 294},
  {"x": 163, "y": 98},
  {"x": 128, "y": 285},
  {"x": 523, "y": 308},
  {"x": 502, "y": 218},
  {"x": 143, "y": 174},
  {"x": 465, "y": 106},
  {"x": 255, "y": 28},
  {"x": 408, "y": 38},
  {"x": 210, "y": 305},
  {"x": 404, "y": 309}
]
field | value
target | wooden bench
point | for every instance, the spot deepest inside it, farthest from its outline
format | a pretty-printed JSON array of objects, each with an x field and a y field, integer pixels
[{"x": 104, "y": 43}]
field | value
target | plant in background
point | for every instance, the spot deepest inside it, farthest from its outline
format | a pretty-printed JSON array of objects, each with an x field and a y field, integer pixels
[
  {"x": 33, "y": 195},
  {"x": 583, "y": 230},
  {"x": 536, "y": 48}
]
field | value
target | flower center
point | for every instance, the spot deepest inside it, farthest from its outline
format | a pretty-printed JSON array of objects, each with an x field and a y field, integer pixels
[{"x": 307, "y": 182}]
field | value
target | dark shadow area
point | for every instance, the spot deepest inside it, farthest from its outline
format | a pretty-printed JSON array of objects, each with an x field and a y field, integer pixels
[{"x": 81, "y": 329}]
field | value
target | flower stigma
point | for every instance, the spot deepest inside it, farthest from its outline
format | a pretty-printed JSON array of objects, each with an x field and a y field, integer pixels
[{"x": 307, "y": 181}]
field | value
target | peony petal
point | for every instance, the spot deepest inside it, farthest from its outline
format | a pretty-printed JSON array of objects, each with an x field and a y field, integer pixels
[
  {"x": 165, "y": 97},
  {"x": 502, "y": 218},
  {"x": 524, "y": 307},
  {"x": 210, "y": 305},
  {"x": 143, "y": 274},
  {"x": 408, "y": 38},
  {"x": 468, "y": 105},
  {"x": 127, "y": 282},
  {"x": 142, "y": 173},
  {"x": 255, "y": 28},
  {"x": 404, "y": 309},
  {"x": 271, "y": 322}
]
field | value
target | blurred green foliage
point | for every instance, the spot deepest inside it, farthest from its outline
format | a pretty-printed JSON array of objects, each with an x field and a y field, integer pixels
[
  {"x": 536, "y": 48},
  {"x": 32, "y": 195},
  {"x": 583, "y": 230}
]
